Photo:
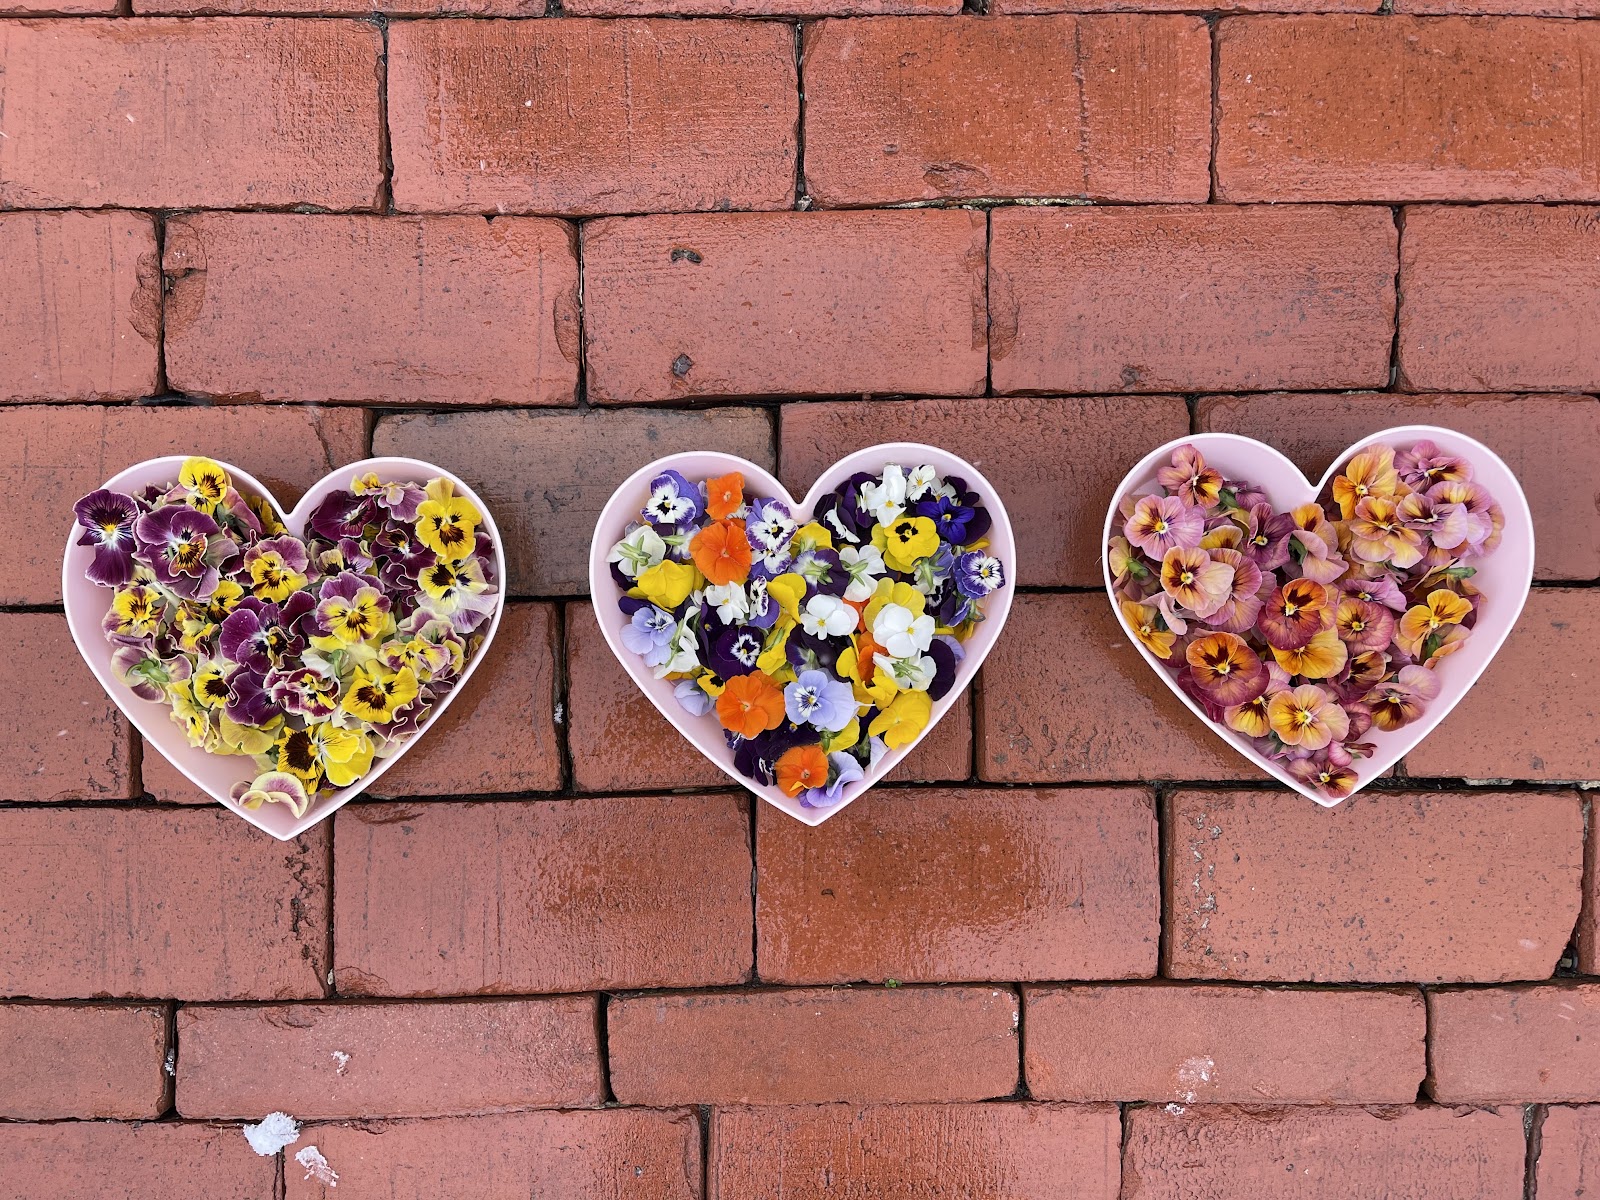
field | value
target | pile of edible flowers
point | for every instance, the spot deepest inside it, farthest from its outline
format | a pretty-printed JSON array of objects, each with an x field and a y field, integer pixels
[
  {"x": 1306, "y": 631},
  {"x": 818, "y": 647},
  {"x": 312, "y": 657}
]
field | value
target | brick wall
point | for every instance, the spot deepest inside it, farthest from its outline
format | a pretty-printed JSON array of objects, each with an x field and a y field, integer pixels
[{"x": 1077, "y": 945}]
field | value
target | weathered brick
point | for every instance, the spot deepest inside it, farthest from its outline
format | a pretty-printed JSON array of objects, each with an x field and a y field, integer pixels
[
  {"x": 1517, "y": 1045},
  {"x": 65, "y": 738},
  {"x": 444, "y": 899},
  {"x": 80, "y": 302},
  {"x": 1016, "y": 441},
  {"x": 1502, "y": 108},
  {"x": 812, "y": 1045},
  {"x": 790, "y": 304},
  {"x": 191, "y": 904},
  {"x": 1525, "y": 717},
  {"x": 933, "y": 886},
  {"x": 1532, "y": 8},
  {"x": 50, "y": 456},
  {"x": 1471, "y": 887},
  {"x": 619, "y": 742},
  {"x": 499, "y": 735},
  {"x": 1095, "y": 714},
  {"x": 163, "y": 782},
  {"x": 1504, "y": 296},
  {"x": 1191, "y": 298},
  {"x": 1224, "y": 1045},
  {"x": 72, "y": 8},
  {"x": 1031, "y": 1151},
  {"x": 400, "y": 1060},
  {"x": 1019, "y": 7},
  {"x": 637, "y": 1153},
  {"x": 1546, "y": 440},
  {"x": 1106, "y": 108},
  {"x": 82, "y": 1061},
  {"x": 547, "y": 475},
  {"x": 73, "y": 1160},
  {"x": 584, "y": 117},
  {"x": 167, "y": 113},
  {"x": 401, "y": 310},
  {"x": 1568, "y": 1161},
  {"x": 1220, "y": 1152},
  {"x": 757, "y": 8},
  {"x": 354, "y": 8}
]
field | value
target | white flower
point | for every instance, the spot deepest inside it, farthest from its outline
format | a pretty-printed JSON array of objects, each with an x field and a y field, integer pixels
[
  {"x": 864, "y": 565},
  {"x": 909, "y": 674},
  {"x": 886, "y": 500},
  {"x": 638, "y": 552},
  {"x": 920, "y": 481},
  {"x": 685, "y": 647},
  {"x": 732, "y": 604},
  {"x": 827, "y": 616},
  {"x": 900, "y": 634}
]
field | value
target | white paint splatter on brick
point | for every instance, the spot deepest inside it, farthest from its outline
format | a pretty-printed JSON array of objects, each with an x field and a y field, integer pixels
[
  {"x": 274, "y": 1131},
  {"x": 317, "y": 1167}
]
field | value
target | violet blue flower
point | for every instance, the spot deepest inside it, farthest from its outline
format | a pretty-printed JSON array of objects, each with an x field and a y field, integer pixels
[{"x": 818, "y": 699}]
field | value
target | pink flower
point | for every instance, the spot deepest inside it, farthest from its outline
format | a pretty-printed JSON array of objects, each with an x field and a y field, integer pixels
[
  {"x": 1425, "y": 464},
  {"x": 1196, "y": 581},
  {"x": 1238, "y": 613},
  {"x": 1188, "y": 476},
  {"x": 1163, "y": 523}
]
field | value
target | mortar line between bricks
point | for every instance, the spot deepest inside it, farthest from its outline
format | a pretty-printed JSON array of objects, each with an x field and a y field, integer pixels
[
  {"x": 1213, "y": 30},
  {"x": 751, "y": 804},
  {"x": 562, "y": 713},
  {"x": 602, "y": 1041},
  {"x": 1399, "y": 250},
  {"x": 329, "y": 987},
  {"x": 169, "y": 1063},
  {"x": 385, "y": 141},
  {"x": 802, "y": 202},
  {"x": 1533, "y": 1128},
  {"x": 1163, "y": 877}
]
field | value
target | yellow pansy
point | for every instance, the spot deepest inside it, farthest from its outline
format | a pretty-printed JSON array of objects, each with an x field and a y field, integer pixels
[
  {"x": 272, "y": 578},
  {"x": 667, "y": 584},
  {"x": 324, "y": 749},
  {"x": 447, "y": 524},
  {"x": 775, "y": 656},
  {"x": 889, "y": 592},
  {"x": 811, "y": 536},
  {"x": 900, "y": 723},
  {"x": 868, "y": 684},
  {"x": 906, "y": 539},
  {"x": 786, "y": 591},
  {"x": 205, "y": 482},
  {"x": 378, "y": 696}
]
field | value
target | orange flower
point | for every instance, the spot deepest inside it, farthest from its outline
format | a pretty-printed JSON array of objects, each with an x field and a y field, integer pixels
[
  {"x": 751, "y": 704},
  {"x": 722, "y": 552},
  {"x": 725, "y": 495},
  {"x": 801, "y": 768}
]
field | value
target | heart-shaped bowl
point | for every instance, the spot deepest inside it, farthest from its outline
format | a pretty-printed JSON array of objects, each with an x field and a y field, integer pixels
[
  {"x": 215, "y": 774},
  {"x": 1503, "y": 576},
  {"x": 703, "y": 732}
]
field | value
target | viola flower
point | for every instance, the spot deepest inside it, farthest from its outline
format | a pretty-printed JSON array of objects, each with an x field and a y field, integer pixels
[
  {"x": 339, "y": 515},
  {"x": 136, "y": 612},
  {"x": 1370, "y": 473},
  {"x": 1397, "y": 702},
  {"x": 685, "y": 648},
  {"x": 447, "y": 524},
  {"x": 304, "y": 691},
  {"x": 324, "y": 750},
  {"x": 1380, "y": 589},
  {"x": 1333, "y": 779},
  {"x": 1363, "y": 625},
  {"x": 770, "y": 527},
  {"x": 1294, "y": 613},
  {"x": 828, "y": 616},
  {"x": 1266, "y": 537},
  {"x": 801, "y": 769},
  {"x": 863, "y": 564},
  {"x": 350, "y": 611},
  {"x": 1442, "y": 609},
  {"x": 378, "y": 696},
  {"x": 636, "y": 553},
  {"x": 674, "y": 501},
  {"x": 1377, "y": 534},
  {"x": 210, "y": 684},
  {"x": 204, "y": 484},
  {"x": 1238, "y": 613},
  {"x": 1143, "y": 620},
  {"x": 106, "y": 519},
  {"x": 1320, "y": 658},
  {"x": 1226, "y": 669},
  {"x": 822, "y": 569},
  {"x": 818, "y": 699},
  {"x": 914, "y": 674},
  {"x": 1485, "y": 520},
  {"x": 722, "y": 552},
  {"x": 900, "y": 632},
  {"x": 259, "y": 635},
  {"x": 885, "y": 500},
  {"x": 951, "y": 519},
  {"x": 276, "y": 567},
  {"x": 907, "y": 539},
  {"x": 458, "y": 592},
  {"x": 1188, "y": 476},
  {"x": 1160, "y": 524},
  {"x": 1425, "y": 464},
  {"x": 398, "y": 498},
  {"x": 183, "y": 548},
  {"x": 649, "y": 635},
  {"x": 145, "y": 673},
  {"x": 274, "y": 787},
  {"x": 696, "y": 701},
  {"x": 921, "y": 481},
  {"x": 667, "y": 584},
  {"x": 1441, "y": 525},
  {"x": 1126, "y": 567},
  {"x": 978, "y": 574},
  {"x": 730, "y": 601},
  {"x": 844, "y": 770},
  {"x": 1307, "y": 716},
  {"x": 1250, "y": 718},
  {"x": 1195, "y": 581},
  {"x": 903, "y": 721},
  {"x": 751, "y": 704}
]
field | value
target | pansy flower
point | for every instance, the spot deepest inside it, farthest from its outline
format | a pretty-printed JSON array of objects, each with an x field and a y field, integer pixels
[
  {"x": 1196, "y": 581},
  {"x": 978, "y": 574},
  {"x": 273, "y": 787},
  {"x": 1321, "y": 658},
  {"x": 276, "y": 567},
  {"x": 147, "y": 674},
  {"x": 447, "y": 523},
  {"x": 1307, "y": 717},
  {"x": 340, "y": 514},
  {"x": 1379, "y": 534},
  {"x": 843, "y": 770},
  {"x": 751, "y": 704},
  {"x": 1431, "y": 618},
  {"x": 350, "y": 610},
  {"x": 1145, "y": 622},
  {"x": 1226, "y": 669},
  {"x": 649, "y": 635},
  {"x": 1190, "y": 478},
  {"x": 399, "y": 498},
  {"x": 1238, "y": 613},
  {"x": 325, "y": 750},
  {"x": 828, "y": 616},
  {"x": 641, "y": 549},
  {"x": 204, "y": 484},
  {"x": 728, "y": 649},
  {"x": 722, "y": 552},
  {"x": 1424, "y": 465},
  {"x": 1485, "y": 520},
  {"x": 1369, "y": 473},
  {"x": 725, "y": 496},
  {"x": 1363, "y": 625},
  {"x": 376, "y": 697},
  {"x": 903, "y": 721},
  {"x": 1266, "y": 537},
  {"x": 1160, "y": 524},
  {"x": 674, "y": 501},
  {"x": 1441, "y": 525},
  {"x": 885, "y": 499},
  {"x": 136, "y": 614},
  {"x": 819, "y": 699},
  {"x": 1323, "y": 771},
  {"x": 769, "y": 527},
  {"x": 106, "y": 519},
  {"x": 183, "y": 548},
  {"x": 259, "y": 634},
  {"x": 1294, "y": 613},
  {"x": 304, "y": 690},
  {"x": 1397, "y": 702},
  {"x": 457, "y": 592}
]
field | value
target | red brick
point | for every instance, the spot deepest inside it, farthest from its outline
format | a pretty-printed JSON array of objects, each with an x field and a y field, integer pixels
[
  {"x": 1503, "y": 108},
  {"x": 1164, "y": 299},
  {"x": 619, "y": 742},
  {"x": 1501, "y": 297},
  {"x": 1096, "y": 714},
  {"x": 82, "y": 1061},
  {"x": 190, "y": 114},
  {"x": 631, "y": 1153},
  {"x": 1470, "y": 887},
  {"x": 80, "y": 300},
  {"x": 1014, "y": 7},
  {"x": 354, "y": 8},
  {"x": 353, "y": 1060},
  {"x": 547, "y": 475},
  {"x": 1519, "y": 1045},
  {"x": 1224, "y": 1045},
  {"x": 1016, "y": 441},
  {"x": 585, "y": 117},
  {"x": 1220, "y": 1152},
  {"x": 808, "y": 1046},
  {"x": 1568, "y": 1160},
  {"x": 499, "y": 735},
  {"x": 31, "y": 8},
  {"x": 447, "y": 900},
  {"x": 1531, "y": 713},
  {"x": 1106, "y": 108},
  {"x": 912, "y": 1151},
  {"x": 1535, "y": 8},
  {"x": 1546, "y": 440},
  {"x": 190, "y": 904},
  {"x": 76, "y": 1160},
  {"x": 64, "y": 737},
  {"x": 932, "y": 886},
  {"x": 757, "y": 8},
  {"x": 452, "y": 310},
  {"x": 790, "y": 304},
  {"x": 50, "y": 456}
]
